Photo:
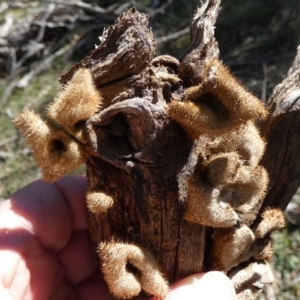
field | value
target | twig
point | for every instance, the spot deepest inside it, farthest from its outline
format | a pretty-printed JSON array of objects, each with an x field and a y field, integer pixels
[
  {"x": 4, "y": 154},
  {"x": 3, "y": 7},
  {"x": 4, "y": 29},
  {"x": 152, "y": 12},
  {"x": 269, "y": 292},
  {"x": 161, "y": 9},
  {"x": 26, "y": 5},
  {"x": 172, "y": 36},
  {"x": 41, "y": 66},
  {"x": 119, "y": 9},
  {"x": 7, "y": 92},
  {"x": 91, "y": 8},
  {"x": 49, "y": 11},
  {"x": 292, "y": 283},
  {"x": 7, "y": 112},
  {"x": 13, "y": 60},
  {"x": 35, "y": 45},
  {"x": 22, "y": 83}
]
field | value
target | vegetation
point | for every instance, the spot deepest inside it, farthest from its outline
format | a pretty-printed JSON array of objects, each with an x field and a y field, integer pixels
[{"x": 40, "y": 40}]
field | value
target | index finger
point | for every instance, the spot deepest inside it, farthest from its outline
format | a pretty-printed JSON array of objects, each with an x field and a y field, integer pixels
[
  {"x": 49, "y": 211},
  {"x": 211, "y": 285}
]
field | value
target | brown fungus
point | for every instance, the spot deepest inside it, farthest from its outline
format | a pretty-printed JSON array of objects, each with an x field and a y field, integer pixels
[
  {"x": 55, "y": 151},
  {"x": 78, "y": 101},
  {"x": 250, "y": 280},
  {"x": 245, "y": 140},
  {"x": 230, "y": 247},
  {"x": 272, "y": 219},
  {"x": 228, "y": 185},
  {"x": 224, "y": 190},
  {"x": 98, "y": 202},
  {"x": 234, "y": 246},
  {"x": 206, "y": 207},
  {"x": 128, "y": 269},
  {"x": 218, "y": 104}
]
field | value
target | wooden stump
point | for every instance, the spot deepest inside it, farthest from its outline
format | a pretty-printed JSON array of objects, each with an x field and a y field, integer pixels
[{"x": 148, "y": 160}]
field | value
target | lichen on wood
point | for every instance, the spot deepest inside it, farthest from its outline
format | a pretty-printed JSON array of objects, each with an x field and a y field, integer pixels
[{"x": 177, "y": 168}]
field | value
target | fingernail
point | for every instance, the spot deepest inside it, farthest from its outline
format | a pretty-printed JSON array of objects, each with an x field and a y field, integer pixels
[{"x": 215, "y": 285}]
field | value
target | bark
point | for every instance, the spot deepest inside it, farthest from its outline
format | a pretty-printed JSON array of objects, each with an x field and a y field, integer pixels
[{"x": 281, "y": 130}]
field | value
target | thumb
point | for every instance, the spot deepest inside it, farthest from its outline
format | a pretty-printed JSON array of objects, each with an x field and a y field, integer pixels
[{"x": 204, "y": 286}]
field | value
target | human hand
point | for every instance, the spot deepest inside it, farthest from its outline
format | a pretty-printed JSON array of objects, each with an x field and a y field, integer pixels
[{"x": 46, "y": 254}]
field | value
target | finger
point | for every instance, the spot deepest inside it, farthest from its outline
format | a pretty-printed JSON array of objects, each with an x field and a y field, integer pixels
[
  {"x": 49, "y": 210},
  {"x": 77, "y": 258},
  {"x": 14, "y": 275},
  {"x": 5, "y": 294},
  {"x": 64, "y": 291},
  {"x": 215, "y": 285},
  {"x": 27, "y": 270},
  {"x": 38, "y": 218},
  {"x": 40, "y": 209},
  {"x": 73, "y": 189},
  {"x": 204, "y": 286},
  {"x": 94, "y": 288},
  {"x": 26, "y": 275}
]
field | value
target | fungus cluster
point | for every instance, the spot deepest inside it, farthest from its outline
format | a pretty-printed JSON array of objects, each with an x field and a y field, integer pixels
[
  {"x": 228, "y": 185},
  {"x": 128, "y": 269},
  {"x": 58, "y": 144}
]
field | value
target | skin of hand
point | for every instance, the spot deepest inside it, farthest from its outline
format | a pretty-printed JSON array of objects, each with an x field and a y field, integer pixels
[{"x": 46, "y": 254}]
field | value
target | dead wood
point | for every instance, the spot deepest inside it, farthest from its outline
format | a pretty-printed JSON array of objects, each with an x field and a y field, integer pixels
[
  {"x": 281, "y": 130},
  {"x": 176, "y": 183}
]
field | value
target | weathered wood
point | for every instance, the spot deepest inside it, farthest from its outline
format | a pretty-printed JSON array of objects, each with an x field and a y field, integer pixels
[
  {"x": 139, "y": 166},
  {"x": 153, "y": 171},
  {"x": 118, "y": 64},
  {"x": 203, "y": 46},
  {"x": 282, "y": 133},
  {"x": 141, "y": 177}
]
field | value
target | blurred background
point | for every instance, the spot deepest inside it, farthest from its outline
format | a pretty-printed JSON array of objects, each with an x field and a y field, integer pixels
[{"x": 40, "y": 40}]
